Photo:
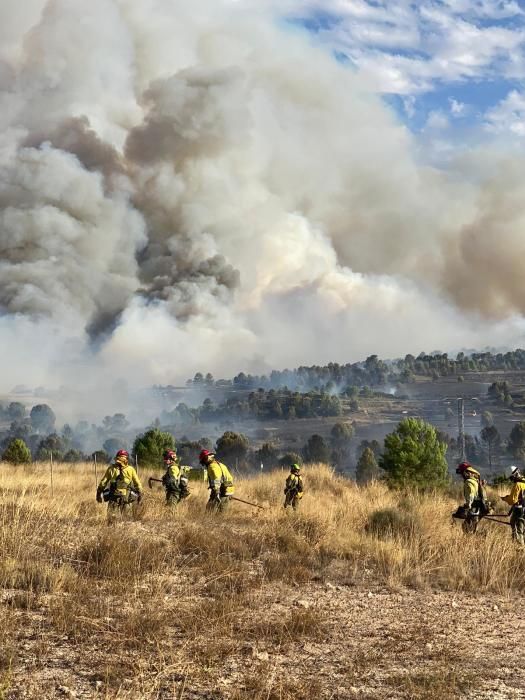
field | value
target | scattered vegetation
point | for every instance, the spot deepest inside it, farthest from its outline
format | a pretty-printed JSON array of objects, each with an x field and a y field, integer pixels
[{"x": 177, "y": 595}]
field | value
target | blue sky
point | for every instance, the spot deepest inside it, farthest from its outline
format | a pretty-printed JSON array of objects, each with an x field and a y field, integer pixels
[{"x": 443, "y": 65}]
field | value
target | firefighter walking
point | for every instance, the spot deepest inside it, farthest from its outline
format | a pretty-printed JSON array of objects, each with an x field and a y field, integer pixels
[
  {"x": 220, "y": 482},
  {"x": 174, "y": 479},
  {"x": 293, "y": 490},
  {"x": 516, "y": 499},
  {"x": 476, "y": 504},
  {"x": 120, "y": 487}
]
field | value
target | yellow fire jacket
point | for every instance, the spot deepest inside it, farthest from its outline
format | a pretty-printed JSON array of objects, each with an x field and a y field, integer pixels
[
  {"x": 294, "y": 482},
  {"x": 219, "y": 475},
  {"x": 517, "y": 494},
  {"x": 174, "y": 473},
  {"x": 123, "y": 477},
  {"x": 471, "y": 485}
]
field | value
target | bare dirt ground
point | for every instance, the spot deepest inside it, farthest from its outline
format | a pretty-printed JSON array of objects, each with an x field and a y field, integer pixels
[{"x": 371, "y": 643}]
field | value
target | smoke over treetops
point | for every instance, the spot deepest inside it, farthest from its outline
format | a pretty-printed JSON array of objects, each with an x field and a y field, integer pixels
[{"x": 191, "y": 186}]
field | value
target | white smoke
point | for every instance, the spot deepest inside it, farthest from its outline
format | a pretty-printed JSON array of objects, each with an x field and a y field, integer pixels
[{"x": 191, "y": 186}]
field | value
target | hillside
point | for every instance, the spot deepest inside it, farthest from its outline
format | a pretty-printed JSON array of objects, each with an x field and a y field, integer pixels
[{"x": 364, "y": 594}]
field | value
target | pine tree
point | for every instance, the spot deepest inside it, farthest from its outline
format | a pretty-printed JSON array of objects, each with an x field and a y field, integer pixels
[
  {"x": 367, "y": 468},
  {"x": 17, "y": 452}
]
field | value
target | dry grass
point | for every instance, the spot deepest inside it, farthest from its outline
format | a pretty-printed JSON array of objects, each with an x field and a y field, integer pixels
[{"x": 179, "y": 590}]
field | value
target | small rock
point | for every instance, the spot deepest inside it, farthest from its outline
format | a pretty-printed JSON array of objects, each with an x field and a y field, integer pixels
[
  {"x": 454, "y": 604},
  {"x": 370, "y": 594},
  {"x": 303, "y": 604},
  {"x": 329, "y": 586},
  {"x": 98, "y": 685},
  {"x": 263, "y": 656},
  {"x": 495, "y": 608}
]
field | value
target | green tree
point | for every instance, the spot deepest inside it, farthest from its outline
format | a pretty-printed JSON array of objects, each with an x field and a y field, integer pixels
[
  {"x": 266, "y": 455},
  {"x": 316, "y": 450},
  {"x": 487, "y": 419},
  {"x": 367, "y": 468},
  {"x": 189, "y": 451},
  {"x": 74, "y": 456},
  {"x": 16, "y": 411},
  {"x": 149, "y": 447},
  {"x": 113, "y": 445},
  {"x": 374, "y": 445},
  {"x": 341, "y": 434},
  {"x": 232, "y": 448},
  {"x": 413, "y": 455},
  {"x": 42, "y": 418},
  {"x": 516, "y": 442},
  {"x": 492, "y": 439},
  {"x": 116, "y": 423},
  {"x": 290, "y": 458},
  {"x": 101, "y": 456},
  {"x": 17, "y": 452},
  {"x": 50, "y": 445}
]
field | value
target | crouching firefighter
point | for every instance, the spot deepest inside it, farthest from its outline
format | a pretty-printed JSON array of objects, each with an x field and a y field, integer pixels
[
  {"x": 293, "y": 490},
  {"x": 220, "y": 482},
  {"x": 476, "y": 504},
  {"x": 120, "y": 487},
  {"x": 174, "y": 479},
  {"x": 516, "y": 499}
]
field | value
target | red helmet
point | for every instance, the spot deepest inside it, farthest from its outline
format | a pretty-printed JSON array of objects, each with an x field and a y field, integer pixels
[
  {"x": 205, "y": 454},
  {"x": 122, "y": 453},
  {"x": 463, "y": 467},
  {"x": 169, "y": 454}
]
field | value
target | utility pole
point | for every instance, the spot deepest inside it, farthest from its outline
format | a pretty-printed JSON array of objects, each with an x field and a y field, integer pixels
[{"x": 461, "y": 429}]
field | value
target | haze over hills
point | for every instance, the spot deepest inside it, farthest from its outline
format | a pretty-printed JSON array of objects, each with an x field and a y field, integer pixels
[{"x": 201, "y": 184}]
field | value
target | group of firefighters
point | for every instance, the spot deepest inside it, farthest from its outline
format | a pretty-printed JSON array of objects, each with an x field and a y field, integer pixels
[
  {"x": 120, "y": 486},
  {"x": 477, "y": 505}
]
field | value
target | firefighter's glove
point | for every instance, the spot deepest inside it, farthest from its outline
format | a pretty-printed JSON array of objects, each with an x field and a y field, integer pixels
[
  {"x": 100, "y": 499},
  {"x": 139, "y": 498}
]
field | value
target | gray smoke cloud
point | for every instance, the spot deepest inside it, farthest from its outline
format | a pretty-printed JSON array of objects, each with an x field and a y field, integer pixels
[{"x": 193, "y": 186}]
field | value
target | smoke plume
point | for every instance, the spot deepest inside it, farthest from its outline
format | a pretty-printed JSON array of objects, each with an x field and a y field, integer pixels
[{"x": 191, "y": 185}]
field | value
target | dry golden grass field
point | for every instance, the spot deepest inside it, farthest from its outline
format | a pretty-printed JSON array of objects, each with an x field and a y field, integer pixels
[{"x": 341, "y": 600}]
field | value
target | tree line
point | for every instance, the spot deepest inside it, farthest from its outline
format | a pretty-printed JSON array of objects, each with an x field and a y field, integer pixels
[
  {"x": 372, "y": 372},
  {"x": 273, "y": 404}
]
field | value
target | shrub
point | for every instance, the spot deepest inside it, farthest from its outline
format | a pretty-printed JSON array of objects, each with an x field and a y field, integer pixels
[
  {"x": 290, "y": 458},
  {"x": 17, "y": 452},
  {"x": 391, "y": 523}
]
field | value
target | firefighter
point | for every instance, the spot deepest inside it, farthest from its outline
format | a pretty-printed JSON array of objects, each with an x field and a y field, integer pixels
[
  {"x": 293, "y": 490},
  {"x": 174, "y": 479},
  {"x": 516, "y": 499},
  {"x": 120, "y": 487},
  {"x": 220, "y": 482},
  {"x": 471, "y": 483},
  {"x": 476, "y": 503}
]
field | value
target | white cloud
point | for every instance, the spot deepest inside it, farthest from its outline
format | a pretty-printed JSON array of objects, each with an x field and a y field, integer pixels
[
  {"x": 457, "y": 108},
  {"x": 409, "y": 105},
  {"x": 437, "y": 121},
  {"x": 408, "y": 48},
  {"x": 508, "y": 115}
]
